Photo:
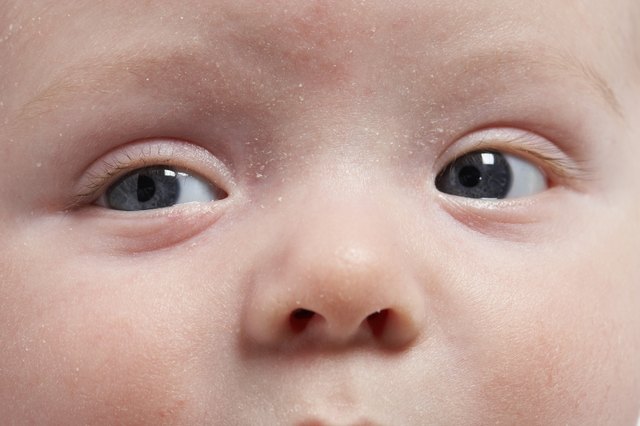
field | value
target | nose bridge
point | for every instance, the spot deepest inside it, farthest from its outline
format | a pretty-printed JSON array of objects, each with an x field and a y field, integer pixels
[
  {"x": 344, "y": 244},
  {"x": 345, "y": 224},
  {"x": 339, "y": 275},
  {"x": 351, "y": 235}
]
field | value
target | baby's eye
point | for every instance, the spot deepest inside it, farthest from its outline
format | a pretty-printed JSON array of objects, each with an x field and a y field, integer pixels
[
  {"x": 157, "y": 187},
  {"x": 490, "y": 174}
]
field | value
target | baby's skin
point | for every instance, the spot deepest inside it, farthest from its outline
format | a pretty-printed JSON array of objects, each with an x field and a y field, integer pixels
[{"x": 323, "y": 212}]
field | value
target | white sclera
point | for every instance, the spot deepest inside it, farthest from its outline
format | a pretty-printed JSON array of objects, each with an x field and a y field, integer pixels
[
  {"x": 526, "y": 178},
  {"x": 194, "y": 189}
]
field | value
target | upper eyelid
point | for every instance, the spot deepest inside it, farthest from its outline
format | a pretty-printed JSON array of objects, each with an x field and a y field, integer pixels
[
  {"x": 530, "y": 146},
  {"x": 117, "y": 163}
]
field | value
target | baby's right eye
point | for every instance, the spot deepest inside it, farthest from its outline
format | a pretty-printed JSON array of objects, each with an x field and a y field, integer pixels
[{"x": 157, "y": 187}]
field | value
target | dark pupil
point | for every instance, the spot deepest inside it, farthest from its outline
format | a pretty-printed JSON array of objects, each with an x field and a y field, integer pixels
[
  {"x": 469, "y": 176},
  {"x": 146, "y": 188},
  {"x": 479, "y": 174}
]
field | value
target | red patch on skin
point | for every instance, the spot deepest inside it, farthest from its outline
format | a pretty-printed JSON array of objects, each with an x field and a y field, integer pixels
[{"x": 171, "y": 411}]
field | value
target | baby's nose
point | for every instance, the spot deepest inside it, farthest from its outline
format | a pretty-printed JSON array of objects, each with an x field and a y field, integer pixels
[{"x": 340, "y": 277}]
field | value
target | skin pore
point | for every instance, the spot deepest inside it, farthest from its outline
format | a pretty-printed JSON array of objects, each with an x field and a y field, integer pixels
[{"x": 326, "y": 124}]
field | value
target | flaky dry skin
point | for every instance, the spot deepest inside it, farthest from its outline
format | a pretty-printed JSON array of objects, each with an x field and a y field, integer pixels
[{"x": 326, "y": 122}]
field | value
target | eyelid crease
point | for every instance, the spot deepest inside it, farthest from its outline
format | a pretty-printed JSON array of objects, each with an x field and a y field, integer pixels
[{"x": 116, "y": 164}]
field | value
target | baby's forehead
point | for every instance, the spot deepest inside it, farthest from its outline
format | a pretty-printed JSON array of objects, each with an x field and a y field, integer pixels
[
  {"x": 327, "y": 22},
  {"x": 325, "y": 27},
  {"x": 287, "y": 43}
]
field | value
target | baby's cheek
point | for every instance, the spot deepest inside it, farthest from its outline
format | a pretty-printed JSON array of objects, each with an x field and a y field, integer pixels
[
  {"x": 81, "y": 351},
  {"x": 564, "y": 346},
  {"x": 543, "y": 374},
  {"x": 117, "y": 374}
]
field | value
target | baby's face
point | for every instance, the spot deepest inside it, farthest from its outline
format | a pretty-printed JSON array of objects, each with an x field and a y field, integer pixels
[{"x": 319, "y": 212}]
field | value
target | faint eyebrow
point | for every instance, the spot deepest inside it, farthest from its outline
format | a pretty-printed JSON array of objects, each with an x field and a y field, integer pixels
[
  {"x": 104, "y": 75},
  {"x": 114, "y": 74},
  {"x": 549, "y": 63}
]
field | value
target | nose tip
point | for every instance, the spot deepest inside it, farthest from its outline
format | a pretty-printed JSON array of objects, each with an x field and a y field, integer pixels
[{"x": 356, "y": 293}]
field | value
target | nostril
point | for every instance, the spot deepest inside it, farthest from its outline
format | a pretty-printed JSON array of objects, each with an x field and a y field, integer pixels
[
  {"x": 377, "y": 321},
  {"x": 299, "y": 319}
]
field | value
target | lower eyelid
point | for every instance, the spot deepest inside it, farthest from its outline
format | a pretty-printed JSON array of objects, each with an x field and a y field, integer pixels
[
  {"x": 149, "y": 230},
  {"x": 516, "y": 219}
]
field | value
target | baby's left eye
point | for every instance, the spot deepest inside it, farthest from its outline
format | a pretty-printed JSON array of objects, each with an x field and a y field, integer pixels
[
  {"x": 491, "y": 175},
  {"x": 157, "y": 187}
]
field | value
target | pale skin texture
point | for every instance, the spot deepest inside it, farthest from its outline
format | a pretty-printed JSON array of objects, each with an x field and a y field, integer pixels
[{"x": 326, "y": 122}]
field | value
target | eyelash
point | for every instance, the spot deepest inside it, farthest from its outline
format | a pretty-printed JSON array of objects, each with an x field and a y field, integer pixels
[
  {"x": 558, "y": 166},
  {"x": 114, "y": 170},
  {"x": 115, "y": 165}
]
